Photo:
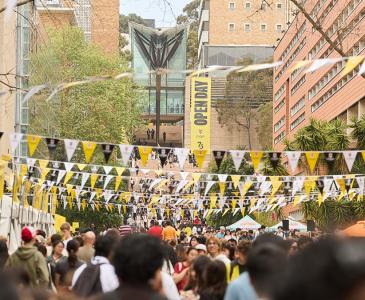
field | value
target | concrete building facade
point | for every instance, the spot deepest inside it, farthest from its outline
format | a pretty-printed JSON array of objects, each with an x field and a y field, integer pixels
[
  {"x": 242, "y": 23},
  {"x": 325, "y": 94}
]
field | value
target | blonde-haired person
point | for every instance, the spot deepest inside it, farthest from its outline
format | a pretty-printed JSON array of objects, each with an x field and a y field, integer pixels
[{"x": 214, "y": 248}]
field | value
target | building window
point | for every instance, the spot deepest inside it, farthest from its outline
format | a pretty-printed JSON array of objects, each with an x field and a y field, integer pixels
[
  {"x": 279, "y": 5},
  {"x": 232, "y": 5},
  {"x": 280, "y": 124},
  {"x": 279, "y": 106},
  {"x": 263, "y": 27},
  {"x": 297, "y": 106},
  {"x": 280, "y": 137},
  {"x": 231, "y": 26},
  {"x": 296, "y": 86},
  {"x": 280, "y": 91},
  {"x": 279, "y": 27},
  {"x": 247, "y": 27},
  {"x": 263, "y": 6},
  {"x": 248, "y": 5},
  {"x": 297, "y": 121}
]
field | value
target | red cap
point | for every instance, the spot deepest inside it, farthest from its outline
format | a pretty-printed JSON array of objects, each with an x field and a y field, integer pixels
[{"x": 28, "y": 233}]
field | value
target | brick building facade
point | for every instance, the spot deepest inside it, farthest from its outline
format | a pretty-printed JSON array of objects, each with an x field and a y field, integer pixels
[{"x": 324, "y": 94}]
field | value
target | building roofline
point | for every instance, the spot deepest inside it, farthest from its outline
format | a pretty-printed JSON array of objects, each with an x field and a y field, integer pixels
[{"x": 171, "y": 30}]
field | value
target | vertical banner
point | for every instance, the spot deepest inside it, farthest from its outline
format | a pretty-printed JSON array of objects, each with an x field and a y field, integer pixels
[{"x": 200, "y": 113}]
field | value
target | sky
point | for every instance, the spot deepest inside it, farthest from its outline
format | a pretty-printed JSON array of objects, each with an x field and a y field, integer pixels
[{"x": 154, "y": 9}]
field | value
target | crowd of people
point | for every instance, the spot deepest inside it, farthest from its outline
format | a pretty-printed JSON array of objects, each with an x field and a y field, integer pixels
[{"x": 163, "y": 263}]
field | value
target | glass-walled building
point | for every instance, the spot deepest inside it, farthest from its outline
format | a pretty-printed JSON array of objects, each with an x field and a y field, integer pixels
[{"x": 154, "y": 49}]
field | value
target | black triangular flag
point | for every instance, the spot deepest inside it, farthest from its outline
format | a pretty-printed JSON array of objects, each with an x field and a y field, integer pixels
[
  {"x": 163, "y": 153},
  {"x": 330, "y": 159},
  {"x": 52, "y": 145},
  {"x": 274, "y": 158},
  {"x": 1, "y": 134},
  {"x": 107, "y": 151},
  {"x": 218, "y": 156},
  {"x": 320, "y": 185}
]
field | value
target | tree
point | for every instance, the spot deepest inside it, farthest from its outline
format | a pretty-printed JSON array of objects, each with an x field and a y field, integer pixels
[
  {"x": 264, "y": 125},
  {"x": 190, "y": 17},
  {"x": 104, "y": 111},
  {"x": 124, "y": 20},
  {"x": 329, "y": 136},
  {"x": 244, "y": 93}
]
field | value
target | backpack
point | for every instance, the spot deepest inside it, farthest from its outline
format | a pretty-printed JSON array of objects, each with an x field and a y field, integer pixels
[{"x": 88, "y": 283}]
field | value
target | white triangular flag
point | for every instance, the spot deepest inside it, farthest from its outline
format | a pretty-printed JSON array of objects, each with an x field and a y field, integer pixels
[
  {"x": 320, "y": 63},
  {"x": 265, "y": 187},
  {"x": 298, "y": 185},
  {"x": 236, "y": 210},
  {"x": 70, "y": 146},
  {"x": 10, "y": 5},
  {"x": 68, "y": 166},
  {"x": 208, "y": 187},
  {"x": 237, "y": 157},
  {"x": 181, "y": 154},
  {"x": 361, "y": 184},
  {"x": 145, "y": 171},
  {"x": 92, "y": 195},
  {"x": 85, "y": 177},
  {"x": 154, "y": 183},
  {"x": 61, "y": 174},
  {"x": 350, "y": 157},
  {"x": 119, "y": 207},
  {"x": 184, "y": 175},
  {"x": 126, "y": 152},
  {"x": 107, "y": 196},
  {"x": 327, "y": 182},
  {"x": 221, "y": 202},
  {"x": 92, "y": 206},
  {"x": 222, "y": 177},
  {"x": 293, "y": 159},
  {"x": 107, "y": 169},
  {"x": 107, "y": 180},
  {"x": 15, "y": 139},
  {"x": 362, "y": 69},
  {"x": 181, "y": 184}
]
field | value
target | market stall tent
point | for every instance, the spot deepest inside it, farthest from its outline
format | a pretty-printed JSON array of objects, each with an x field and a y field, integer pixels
[
  {"x": 246, "y": 223},
  {"x": 292, "y": 225}
]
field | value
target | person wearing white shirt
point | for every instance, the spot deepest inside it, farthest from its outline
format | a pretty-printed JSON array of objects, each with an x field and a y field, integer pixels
[{"x": 103, "y": 251}]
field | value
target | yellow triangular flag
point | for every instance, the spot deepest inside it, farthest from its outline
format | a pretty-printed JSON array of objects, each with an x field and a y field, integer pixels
[
  {"x": 144, "y": 152},
  {"x": 213, "y": 201},
  {"x": 43, "y": 163},
  {"x": 2, "y": 177},
  {"x": 222, "y": 187},
  {"x": 351, "y": 64},
  {"x": 341, "y": 184},
  {"x": 68, "y": 176},
  {"x": 118, "y": 180},
  {"x": 83, "y": 204},
  {"x": 225, "y": 211},
  {"x": 33, "y": 141},
  {"x": 119, "y": 170},
  {"x": 199, "y": 156},
  {"x": 256, "y": 158},
  {"x": 312, "y": 158},
  {"x": 89, "y": 148},
  {"x": 243, "y": 210},
  {"x": 235, "y": 180},
  {"x": 233, "y": 203},
  {"x": 246, "y": 187},
  {"x": 24, "y": 170},
  {"x": 93, "y": 179},
  {"x": 196, "y": 177},
  {"x": 320, "y": 199},
  {"x": 309, "y": 185},
  {"x": 296, "y": 200},
  {"x": 363, "y": 155},
  {"x": 276, "y": 184},
  {"x": 81, "y": 166},
  {"x": 6, "y": 157},
  {"x": 300, "y": 64},
  {"x": 44, "y": 173}
]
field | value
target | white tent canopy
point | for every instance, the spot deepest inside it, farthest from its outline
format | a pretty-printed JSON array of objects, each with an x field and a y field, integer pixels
[
  {"x": 292, "y": 225},
  {"x": 13, "y": 217},
  {"x": 246, "y": 223}
]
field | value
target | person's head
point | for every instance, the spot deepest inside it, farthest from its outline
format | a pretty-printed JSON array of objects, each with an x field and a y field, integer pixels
[
  {"x": 41, "y": 233},
  {"x": 89, "y": 238},
  {"x": 232, "y": 242},
  {"x": 104, "y": 246},
  {"x": 213, "y": 246},
  {"x": 215, "y": 278},
  {"x": 4, "y": 253},
  {"x": 198, "y": 267},
  {"x": 66, "y": 230},
  {"x": 266, "y": 263},
  {"x": 55, "y": 237},
  {"x": 57, "y": 247},
  {"x": 193, "y": 241},
  {"x": 180, "y": 253},
  {"x": 292, "y": 246},
  {"x": 327, "y": 269},
  {"x": 28, "y": 235},
  {"x": 42, "y": 249},
  {"x": 138, "y": 259},
  {"x": 262, "y": 228},
  {"x": 113, "y": 233},
  {"x": 228, "y": 250},
  {"x": 202, "y": 249},
  {"x": 228, "y": 232},
  {"x": 8, "y": 288},
  {"x": 269, "y": 238},
  {"x": 168, "y": 223},
  {"x": 303, "y": 242},
  {"x": 72, "y": 248},
  {"x": 222, "y": 229},
  {"x": 191, "y": 254},
  {"x": 242, "y": 250},
  {"x": 280, "y": 228}
]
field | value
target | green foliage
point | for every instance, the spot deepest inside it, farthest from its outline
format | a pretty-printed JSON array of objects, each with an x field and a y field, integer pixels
[
  {"x": 264, "y": 126},
  {"x": 331, "y": 136},
  {"x": 101, "y": 219},
  {"x": 98, "y": 111},
  {"x": 190, "y": 17},
  {"x": 123, "y": 22}
]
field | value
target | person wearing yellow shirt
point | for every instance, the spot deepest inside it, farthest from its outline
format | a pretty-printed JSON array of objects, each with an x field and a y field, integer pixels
[
  {"x": 238, "y": 266},
  {"x": 169, "y": 232}
]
